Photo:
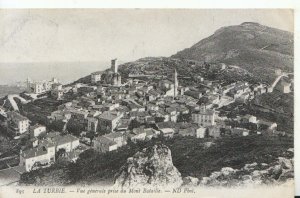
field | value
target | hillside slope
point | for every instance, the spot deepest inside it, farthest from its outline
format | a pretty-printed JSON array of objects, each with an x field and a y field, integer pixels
[{"x": 254, "y": 47}]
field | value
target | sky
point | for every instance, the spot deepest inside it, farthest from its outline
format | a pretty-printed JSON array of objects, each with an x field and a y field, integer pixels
[{"x": 98, "y": 35}]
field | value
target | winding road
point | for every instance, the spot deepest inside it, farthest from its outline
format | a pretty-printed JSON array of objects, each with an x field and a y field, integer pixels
[
  {"x": 278, "y": 78},
  {"x": 13, "y": 102}
]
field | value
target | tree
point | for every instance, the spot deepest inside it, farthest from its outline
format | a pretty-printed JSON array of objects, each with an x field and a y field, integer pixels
[
  {"x": 60, "y": 153},
  {"x": 74, "y": 127},
  {"x": 134, "y": 124},
  {"x": 87, "y": 154},
  {"x": 206, "y": 132},
  {"x": 56, "y": 125},
  {"x": 203, "y": 101},
  {"x": 90, "y": 135},
  {"x": 159, "y": 119},
  {"x": 184, "y": 118},
  {"x": 252, "y": 126},
  {"x": 74, "y": 172},
  {"x": 222, "y": 131}
]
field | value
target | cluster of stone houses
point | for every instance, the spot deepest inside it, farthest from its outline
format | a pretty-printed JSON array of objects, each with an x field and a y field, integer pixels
[
  {"x": 107, "y": 109},
  {"x": 116, "y": 112},
  {"x": 43, "y": 151},
  {"x": 42, "y": 146}
]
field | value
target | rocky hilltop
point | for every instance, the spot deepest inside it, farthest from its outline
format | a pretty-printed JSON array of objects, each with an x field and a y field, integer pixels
[
  {"x": 150, "y": 167},
  {"x": 257, "y": 48}
]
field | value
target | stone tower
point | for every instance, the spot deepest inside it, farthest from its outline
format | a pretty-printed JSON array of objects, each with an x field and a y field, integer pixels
[
  {"x": 116, "y": 76},
  {"x": 114, "y": 66},
  {"x": 28, "y": 84}
]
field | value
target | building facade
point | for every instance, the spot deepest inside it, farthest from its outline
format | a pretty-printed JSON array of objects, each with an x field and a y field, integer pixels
[
  {"x": 37, "y": 130},
  {"x": 204, "y": 117},
  {"x": 96, "y": 77},
  {"x": 108, "y": 121},
  {"x": 16, "y": 123},
  {"x": 40, "y": 87}
]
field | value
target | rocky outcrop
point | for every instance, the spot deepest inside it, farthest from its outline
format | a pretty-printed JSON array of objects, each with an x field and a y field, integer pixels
[
  {"x": 278, "y": 172},
  {"x": 151, "y": 167},
  {"x": 225, "y": 177}
]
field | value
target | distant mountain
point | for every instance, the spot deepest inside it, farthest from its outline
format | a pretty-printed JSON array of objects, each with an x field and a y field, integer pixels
[{"x": 251, "y": 46}]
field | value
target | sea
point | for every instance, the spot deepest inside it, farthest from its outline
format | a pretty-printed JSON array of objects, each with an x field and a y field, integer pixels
[{"x": 16, "y": 73}]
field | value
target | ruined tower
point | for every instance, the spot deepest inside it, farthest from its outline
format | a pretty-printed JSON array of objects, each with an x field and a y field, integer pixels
[
  {"x": 114, "y": 66},
  {"x": 116, "y": 77}
]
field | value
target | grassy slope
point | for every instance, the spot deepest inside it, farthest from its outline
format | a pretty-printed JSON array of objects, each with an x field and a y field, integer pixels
[
  {"x": 38, "y": 110},
  {"x": 276, "y": 100},
  {"x": 283, "y": 104}
]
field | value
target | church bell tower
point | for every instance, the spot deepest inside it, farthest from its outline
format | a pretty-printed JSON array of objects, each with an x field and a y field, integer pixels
[{"x": 175, "y": 84}]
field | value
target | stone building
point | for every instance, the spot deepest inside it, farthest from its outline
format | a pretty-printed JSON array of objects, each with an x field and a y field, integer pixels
[
  {"x": 16, "y": 123},
  {"x": 204, "y": 117},
  {"x": 96, "y": 77}
]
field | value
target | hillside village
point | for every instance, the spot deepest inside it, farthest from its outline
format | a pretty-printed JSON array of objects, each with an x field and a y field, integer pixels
[{"x": 112, "y": 109}]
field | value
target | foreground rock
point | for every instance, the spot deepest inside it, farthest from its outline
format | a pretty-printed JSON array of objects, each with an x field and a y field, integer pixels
[
  {"x": 152, "y": 167},
  {"x": 190, "y": 181},
  {"x": 279, "y": 172}
]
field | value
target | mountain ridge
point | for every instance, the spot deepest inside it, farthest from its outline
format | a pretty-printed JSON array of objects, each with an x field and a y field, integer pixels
[{"x": 257, "y": 48}]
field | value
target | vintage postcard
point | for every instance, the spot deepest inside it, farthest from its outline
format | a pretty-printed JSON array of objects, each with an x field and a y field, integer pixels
[{"x": 147, "y": 102}]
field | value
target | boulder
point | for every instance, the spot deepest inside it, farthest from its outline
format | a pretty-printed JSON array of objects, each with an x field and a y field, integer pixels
[
  {"x": 250, "y": 166},
  {"x": 151, "y": 167},
  {"x": 226, "y": 171},
  {"x": 285, "y": 176},
  {"x": 264, "y": 164},
  {"x": 291, "y": 150},
  {"x": 205, "y": 181},
  {"x": 190, "y": 181},
  {"x": 220, "y": 178},
  {"x": 275, "y": 171},
  {"x": 285, "y": 163},
  {"x": 246, "y": 177},
  {"x": 206, "y": 145}
]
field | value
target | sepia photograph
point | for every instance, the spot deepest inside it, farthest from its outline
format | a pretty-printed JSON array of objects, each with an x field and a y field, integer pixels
[{"x": 146, "y": 101}]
